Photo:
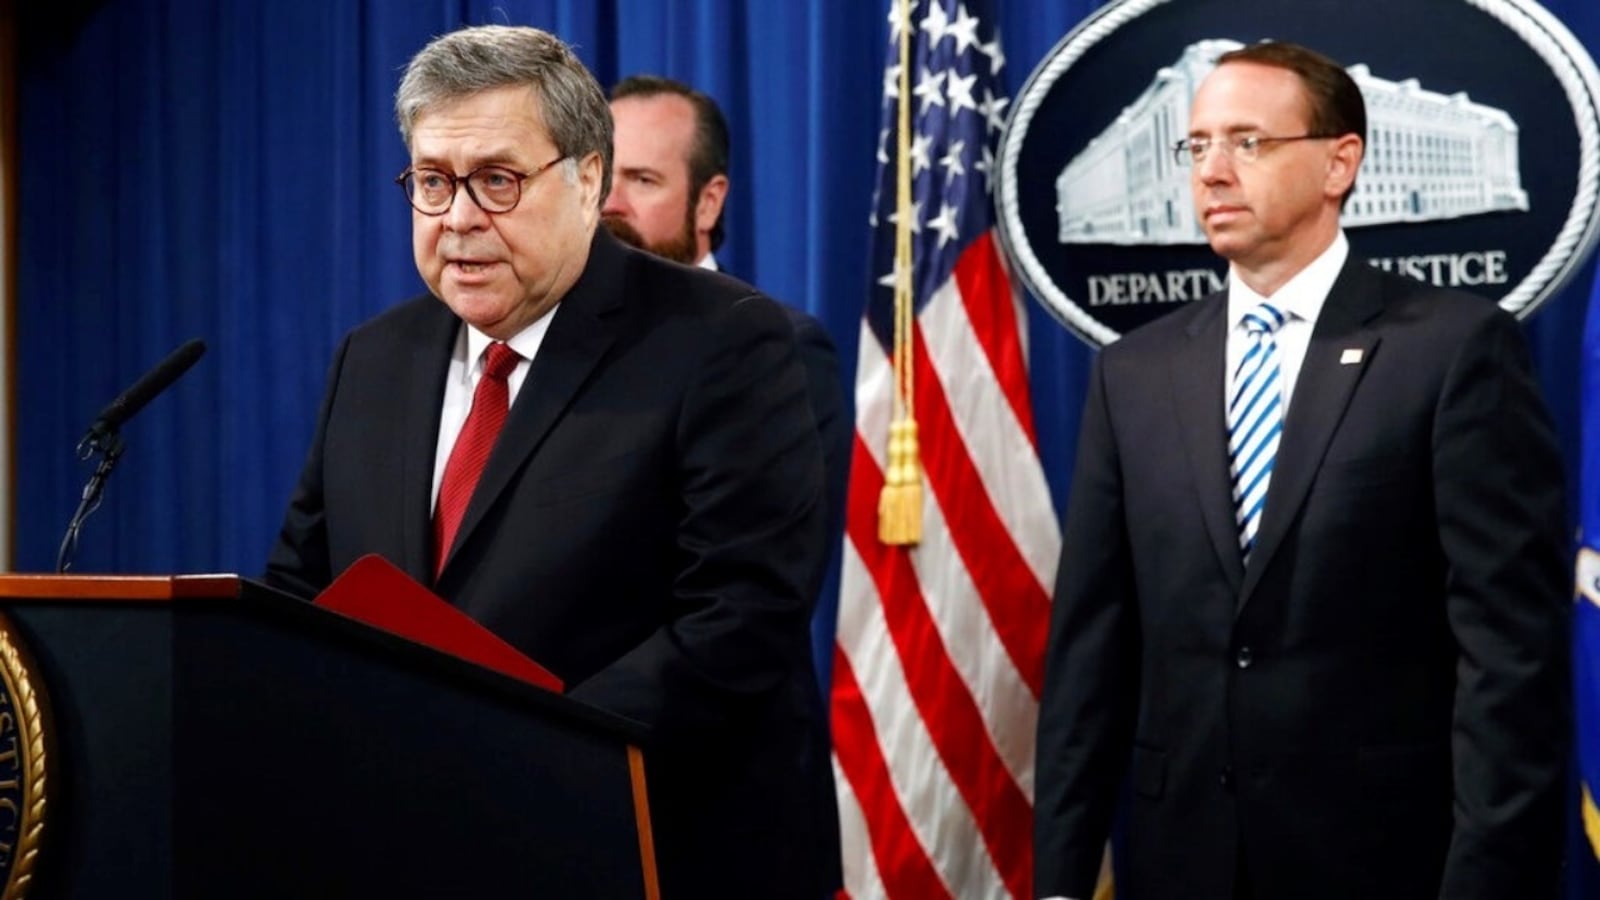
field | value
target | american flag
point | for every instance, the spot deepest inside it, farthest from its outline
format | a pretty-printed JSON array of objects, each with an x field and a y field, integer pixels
[{"x": 938, "y": 660}]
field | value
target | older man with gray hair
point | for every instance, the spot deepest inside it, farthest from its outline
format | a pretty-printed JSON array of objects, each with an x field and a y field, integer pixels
[{"x": 606, "y": 459}]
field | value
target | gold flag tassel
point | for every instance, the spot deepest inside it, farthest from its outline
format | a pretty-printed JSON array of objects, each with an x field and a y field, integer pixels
[{"x": 900, "y": 504}]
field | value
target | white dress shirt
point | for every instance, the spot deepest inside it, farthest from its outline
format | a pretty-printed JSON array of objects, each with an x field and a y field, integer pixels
[{"x": 461, "y": 382}]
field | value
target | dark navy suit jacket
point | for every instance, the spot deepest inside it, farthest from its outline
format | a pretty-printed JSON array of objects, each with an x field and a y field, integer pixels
[
  {"x": 1376, "y": 705},
  {"x": 649, "y": 527}
]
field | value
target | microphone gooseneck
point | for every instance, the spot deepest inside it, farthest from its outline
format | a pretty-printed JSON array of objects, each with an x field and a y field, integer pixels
[{"x": 104, "y": 437}]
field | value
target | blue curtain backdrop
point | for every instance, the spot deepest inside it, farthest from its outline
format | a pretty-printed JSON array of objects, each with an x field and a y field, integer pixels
[{"x": 222, "y": 170}]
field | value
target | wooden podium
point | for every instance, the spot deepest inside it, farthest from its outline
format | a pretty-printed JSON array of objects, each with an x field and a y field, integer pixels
[{"x": 214, "y": 738}]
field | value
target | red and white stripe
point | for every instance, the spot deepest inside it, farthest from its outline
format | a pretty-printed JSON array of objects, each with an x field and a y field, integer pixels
[{"x": 940, "y": 647}]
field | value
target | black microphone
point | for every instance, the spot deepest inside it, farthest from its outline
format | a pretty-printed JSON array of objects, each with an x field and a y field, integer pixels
[{"x": 145, "y": 389}]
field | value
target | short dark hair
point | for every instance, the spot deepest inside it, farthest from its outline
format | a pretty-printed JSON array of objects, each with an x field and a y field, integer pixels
[
  {"x": 1337, "y": 108},
  {"x": 708, "y": 156}
]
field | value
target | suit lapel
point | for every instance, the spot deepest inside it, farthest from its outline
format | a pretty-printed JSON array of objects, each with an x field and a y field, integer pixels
[
  {"x": 1341, "y": 347},
  {"x": 423, "y": 390},
  {"x": 577, "y": 341},
  {"x": 1198, "y": 383}
]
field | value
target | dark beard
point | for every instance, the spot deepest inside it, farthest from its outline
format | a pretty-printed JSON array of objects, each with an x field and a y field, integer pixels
[
  {"x": 679, "y": 248},
  {"x": 622, "y": 231}
]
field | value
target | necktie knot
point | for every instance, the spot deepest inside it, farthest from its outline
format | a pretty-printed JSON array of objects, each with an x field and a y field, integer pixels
[
  {"x": 500, "y": 361},
  {"x": 1264, "y": 320}
]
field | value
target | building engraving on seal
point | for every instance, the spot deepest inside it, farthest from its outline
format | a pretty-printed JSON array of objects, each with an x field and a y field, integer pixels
[{"x": 1430, "y": 156}]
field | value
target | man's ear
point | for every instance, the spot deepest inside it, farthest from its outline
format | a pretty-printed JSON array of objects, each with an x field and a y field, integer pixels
[
  {"x": 708, "y": 206},
  {"x": 591, "y": 174},
  {"x": 1342, "y": 165}
]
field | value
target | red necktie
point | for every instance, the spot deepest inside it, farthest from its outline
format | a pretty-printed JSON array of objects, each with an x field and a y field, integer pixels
[{"x": 467, "y": 458}]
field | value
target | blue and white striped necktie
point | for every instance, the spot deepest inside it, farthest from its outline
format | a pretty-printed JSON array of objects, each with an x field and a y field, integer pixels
[{"x": 1255, "y": 421}]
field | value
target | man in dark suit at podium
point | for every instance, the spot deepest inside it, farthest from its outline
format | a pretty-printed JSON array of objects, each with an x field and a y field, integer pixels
[{"x": 607, "y": 459}]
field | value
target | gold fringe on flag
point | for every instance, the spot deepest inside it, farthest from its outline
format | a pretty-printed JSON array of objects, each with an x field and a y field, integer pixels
[
  {"x": 900, "y": 504},
  {"x": 1591, "y": 820}
]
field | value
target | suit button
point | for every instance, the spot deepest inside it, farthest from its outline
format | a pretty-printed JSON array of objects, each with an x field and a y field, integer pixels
[
  {"x": 1225, "y": 778},
  {"x": 1243, "y": 658}
]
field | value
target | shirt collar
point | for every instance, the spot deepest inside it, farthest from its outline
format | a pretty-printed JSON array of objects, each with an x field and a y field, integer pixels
[
  {"x": 1301, "y": 297},
  {"x": 526, "y": 342},
  {"x": 709, "y": 261}
]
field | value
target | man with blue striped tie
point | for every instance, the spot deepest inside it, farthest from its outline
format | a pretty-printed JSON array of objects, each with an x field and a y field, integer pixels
[{"x": 1313, "y": 594}]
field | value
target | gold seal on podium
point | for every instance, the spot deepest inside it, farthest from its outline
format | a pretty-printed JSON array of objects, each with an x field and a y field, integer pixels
[{"x": 25, "y": 761}]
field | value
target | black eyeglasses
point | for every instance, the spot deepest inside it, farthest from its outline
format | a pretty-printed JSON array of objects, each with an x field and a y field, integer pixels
[
  {"x": 496, "y": 189},
  {"x": 1243, "y": 148}
]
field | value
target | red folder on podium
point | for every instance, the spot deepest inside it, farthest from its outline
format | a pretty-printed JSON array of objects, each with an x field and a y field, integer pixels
[{"x": 375, "y": 591}]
